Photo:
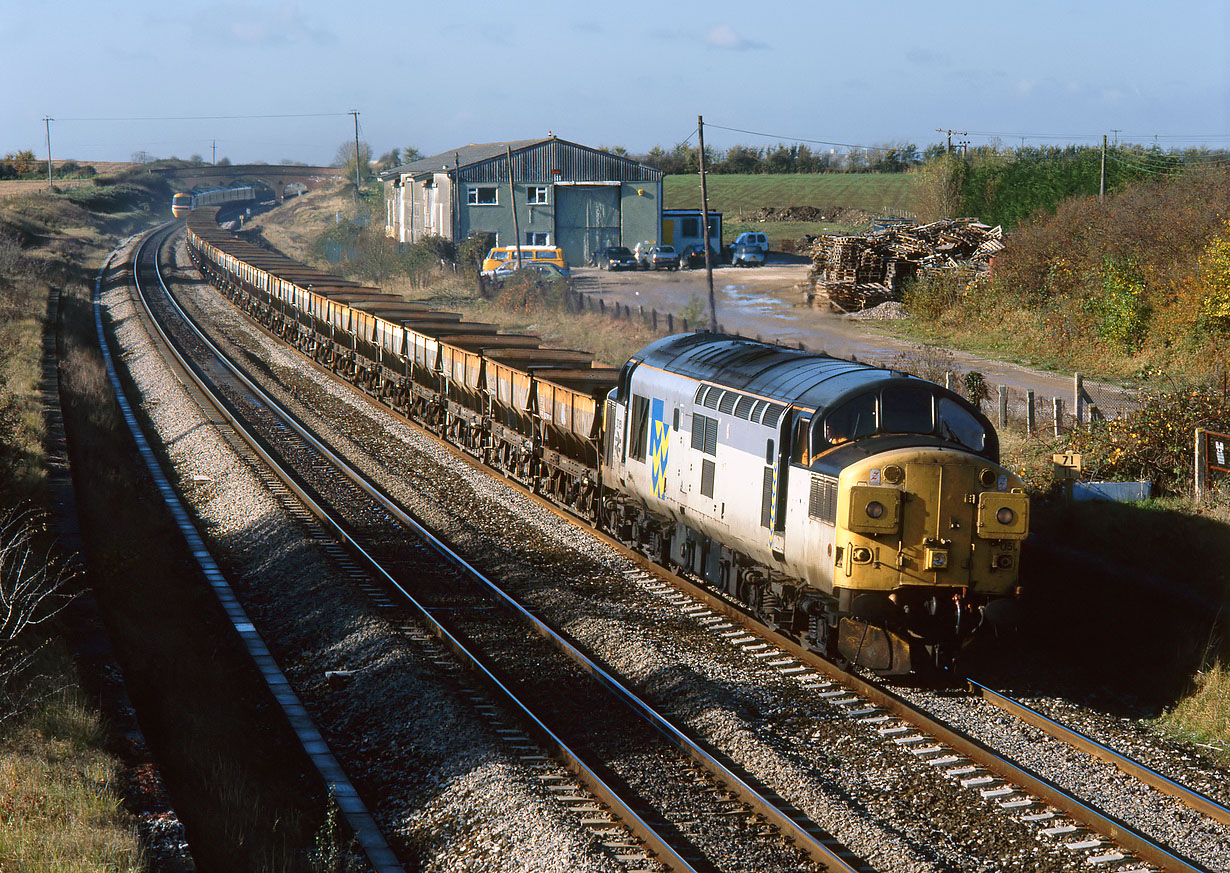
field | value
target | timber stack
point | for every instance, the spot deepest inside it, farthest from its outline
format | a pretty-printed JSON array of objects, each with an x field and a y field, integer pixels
[{"x": 851, "y": 273}]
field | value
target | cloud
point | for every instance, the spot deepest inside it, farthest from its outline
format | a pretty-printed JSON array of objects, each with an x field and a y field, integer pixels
[
  {"x": 723, "y": 36},
  {"x": 280, "y": 26},
  {"x": 927, "y": 58}
]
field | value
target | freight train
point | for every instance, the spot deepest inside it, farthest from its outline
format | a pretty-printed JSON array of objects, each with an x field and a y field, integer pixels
[
  {"x": 859, "y": 510},
  {"x": 183, "y": 203}
]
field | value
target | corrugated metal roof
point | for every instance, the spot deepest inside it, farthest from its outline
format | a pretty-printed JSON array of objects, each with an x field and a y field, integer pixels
[
  {"x": 780, "y": 374},
  {"x": 534, "y": 160}
]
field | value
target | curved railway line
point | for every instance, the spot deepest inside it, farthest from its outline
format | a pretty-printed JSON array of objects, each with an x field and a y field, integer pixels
[
  {"x": 991, "y": 780},
  {"x": 382, "y": 552}
]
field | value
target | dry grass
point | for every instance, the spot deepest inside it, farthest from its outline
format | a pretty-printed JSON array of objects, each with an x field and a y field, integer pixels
[{"x": 59, "y": 810}]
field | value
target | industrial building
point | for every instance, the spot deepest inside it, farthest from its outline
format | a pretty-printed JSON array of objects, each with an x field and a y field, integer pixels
[{"x": 558, "y": 193}]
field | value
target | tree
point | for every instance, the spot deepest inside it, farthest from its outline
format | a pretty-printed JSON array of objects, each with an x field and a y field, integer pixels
[
  {"x": 345, "y": 159},
  {"x": 22, "y": 162},
  {"x": 410, "y": 154},
  {"x": 31, "y": 593}
]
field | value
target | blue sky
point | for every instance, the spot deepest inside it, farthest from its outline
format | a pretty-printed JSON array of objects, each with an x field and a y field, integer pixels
[{"x": 634, "y": 74}]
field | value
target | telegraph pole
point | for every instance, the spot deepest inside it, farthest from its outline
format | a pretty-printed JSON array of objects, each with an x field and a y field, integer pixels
[
  {"x": 1102, "y": 179},
  {"x": 47, "y": 123},
  {"x": 356, "y": 155},
  {"x": 704, "y": 221},
  {"x": 948, "y": 150},
  {"x": 214, "y": 152}
]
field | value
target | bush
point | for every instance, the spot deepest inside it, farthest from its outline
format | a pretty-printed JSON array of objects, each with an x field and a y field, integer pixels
[
  {"x": 1122, "y": 310},
  {"x": 1155, "y": 442}
]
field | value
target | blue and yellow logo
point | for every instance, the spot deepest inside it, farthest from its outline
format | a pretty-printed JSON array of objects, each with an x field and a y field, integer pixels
[{"x": 659, "y": 444}]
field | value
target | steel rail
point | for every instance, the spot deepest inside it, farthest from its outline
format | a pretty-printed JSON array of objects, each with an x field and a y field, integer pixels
[
  {"x": 1197, "y": 801},
  {"x": 800, "y": 832},
  {"x": 573, "y": 762}
]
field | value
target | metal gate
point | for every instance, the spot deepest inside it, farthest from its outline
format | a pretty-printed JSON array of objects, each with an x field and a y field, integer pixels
[{"x": 586, "y": 220}]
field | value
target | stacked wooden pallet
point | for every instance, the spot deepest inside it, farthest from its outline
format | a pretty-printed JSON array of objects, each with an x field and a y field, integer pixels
[{"x": 857, "y": 272}]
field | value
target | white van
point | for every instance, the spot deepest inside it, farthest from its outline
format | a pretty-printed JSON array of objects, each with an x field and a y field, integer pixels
[{"x": 753, "y": 239}]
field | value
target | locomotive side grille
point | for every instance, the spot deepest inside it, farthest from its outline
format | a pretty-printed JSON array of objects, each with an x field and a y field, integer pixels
[
  {"x": 766, "y": 498},
  {"x": 822, "y": 503},
  {"x": 772, "y": 415},
  {"x": 704, "y": 434},
  {"x": 707, "y": 471},
  {"x": 727, "y": 404}
]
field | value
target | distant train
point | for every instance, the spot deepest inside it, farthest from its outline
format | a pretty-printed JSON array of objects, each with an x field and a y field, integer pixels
[
  {"x": 182, "y": 204},
  {"x": 857, "y": 509}
]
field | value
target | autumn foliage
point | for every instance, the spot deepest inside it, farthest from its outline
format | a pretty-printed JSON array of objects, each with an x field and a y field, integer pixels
[{"x": 1137, "y": 281}]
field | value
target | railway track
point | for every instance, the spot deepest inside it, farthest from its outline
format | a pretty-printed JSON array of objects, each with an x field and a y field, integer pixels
[
  {"x": 409, "y": 577},
  {"x": 794, "y": 664}
]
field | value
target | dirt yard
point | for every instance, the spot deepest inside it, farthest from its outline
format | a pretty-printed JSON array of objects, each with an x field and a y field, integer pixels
[{"x": 767, "y": 302}]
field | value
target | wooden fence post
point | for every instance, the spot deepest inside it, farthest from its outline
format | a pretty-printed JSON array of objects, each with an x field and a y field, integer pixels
[
  {"x": 1003, "y": 406},
  {"x": 1202, "y": 469},
  {"x": 670, "y": 322},
  {"x": 1078, "y": 398},
  {"x": 949, "y": 379},
  {"x": 1058, "y": 407},
  {"x": 655, "y": 319},
  {"x": 685, "y": 325},
  {"x": 1031, "y": 416}
]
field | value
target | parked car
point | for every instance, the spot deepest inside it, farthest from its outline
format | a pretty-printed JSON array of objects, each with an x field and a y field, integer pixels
[
  {"x": 538, "y": 270},
  {"x": 747, "y": 256},
  {"x": 754, "y": 239},
  {"x": 662, "y": 258},
  {"x": 508, "y": 254},
  {"x": 615, "y": 258},
  {"x": 694, "y": 256}
]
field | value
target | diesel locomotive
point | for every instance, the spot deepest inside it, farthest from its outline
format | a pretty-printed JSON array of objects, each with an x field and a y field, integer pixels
[{"x": 859, "y": 510}]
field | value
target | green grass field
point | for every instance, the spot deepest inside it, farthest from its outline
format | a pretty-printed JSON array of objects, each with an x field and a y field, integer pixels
[{"x": 736, "y": 195}]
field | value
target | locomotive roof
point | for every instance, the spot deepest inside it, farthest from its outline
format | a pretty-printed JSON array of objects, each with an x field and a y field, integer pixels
[{"x": 774, "y": 372}]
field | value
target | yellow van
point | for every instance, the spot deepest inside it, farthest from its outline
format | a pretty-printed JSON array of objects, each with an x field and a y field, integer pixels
[{"x": 537, "y": 254}]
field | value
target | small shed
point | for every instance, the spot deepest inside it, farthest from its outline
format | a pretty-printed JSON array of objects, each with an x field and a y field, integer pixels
[
  {"x": 545, "y": 191},
  {"x": 681, "y": 228}
]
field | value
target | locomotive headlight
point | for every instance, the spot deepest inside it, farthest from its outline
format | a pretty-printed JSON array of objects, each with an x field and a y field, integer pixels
[
  {"x": 1003, "y": 516},
  {"x": 872, "y": 509}
]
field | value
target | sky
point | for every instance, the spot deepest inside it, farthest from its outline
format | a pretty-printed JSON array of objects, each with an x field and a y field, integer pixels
[{"x": 275, "y": 81}]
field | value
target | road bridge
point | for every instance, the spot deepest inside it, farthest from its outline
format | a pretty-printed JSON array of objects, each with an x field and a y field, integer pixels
[{"x": 281, "y": 179}]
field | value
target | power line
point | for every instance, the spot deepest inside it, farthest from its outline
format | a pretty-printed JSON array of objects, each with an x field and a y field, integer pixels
[
  {"x": 783, "y": 138},
  {"x": 210, "y": 117}
]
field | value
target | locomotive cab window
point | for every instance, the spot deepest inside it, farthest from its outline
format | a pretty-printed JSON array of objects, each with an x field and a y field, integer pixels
[
  {"x": 854, "y": 419},
  {"x": 906, "y": 410},
  {"x": 958, "y": 425}
]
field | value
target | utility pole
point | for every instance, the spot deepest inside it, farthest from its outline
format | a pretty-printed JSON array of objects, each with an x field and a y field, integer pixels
[
  {"x": 356, "y": 155},
  {"x": 512, "y": 203},
  {"x": 1102, "y": 180},
  {"x": 704, "y": 221},
  {"x": 214, "y": 152},
  {"x": 948, "y": 150},
  {"x": 1115, "y": 131},
  {"x": 47, "y": 123}
]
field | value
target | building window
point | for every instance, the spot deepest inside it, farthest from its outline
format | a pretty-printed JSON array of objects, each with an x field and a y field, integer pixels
[
  {"x": 536, "y": 195},
  {"x": 536, "y": 238},
  {"x": 689, "y": 227},
  {"x": 485, "y": 196}
]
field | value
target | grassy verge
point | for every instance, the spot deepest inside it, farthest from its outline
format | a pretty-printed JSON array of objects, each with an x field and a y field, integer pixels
[
  {"x": 59, "y": 798},
  {"x": 246, "y": 797},
  {"x": 1203, "y": 717}
]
